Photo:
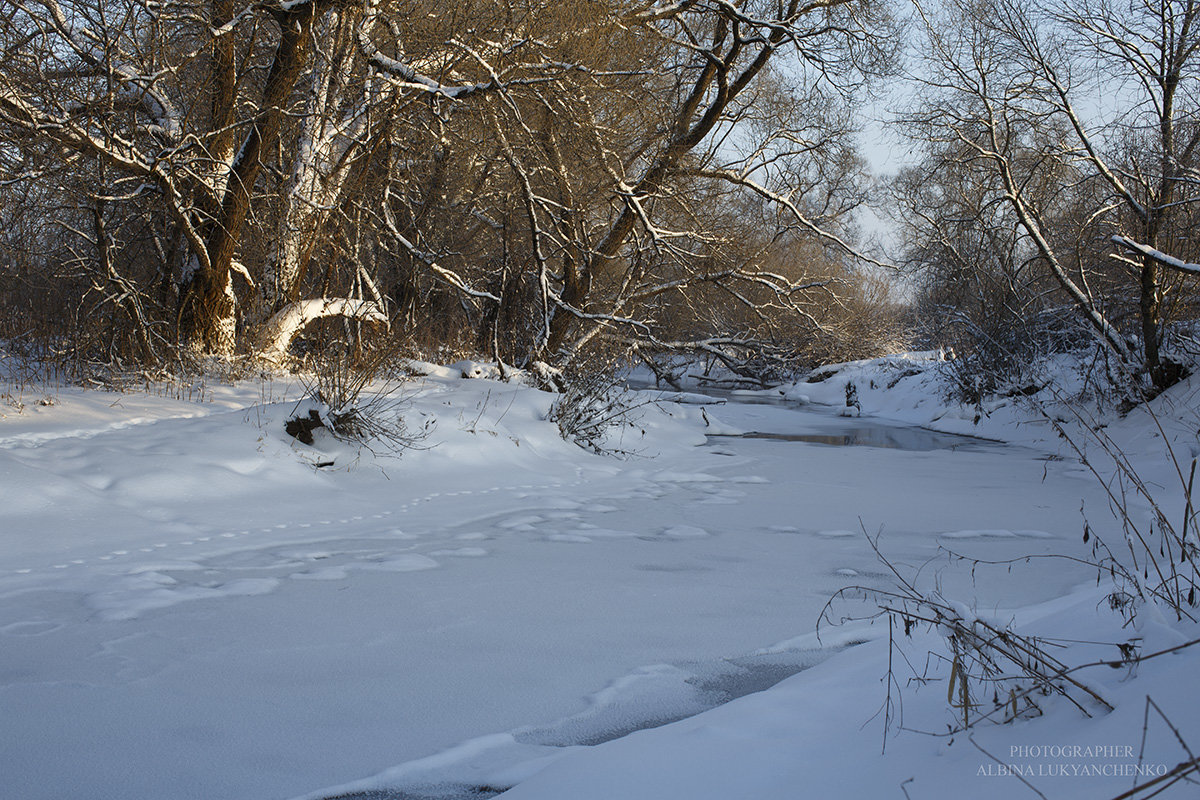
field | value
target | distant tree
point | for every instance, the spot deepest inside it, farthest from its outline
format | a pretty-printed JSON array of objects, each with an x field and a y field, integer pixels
[{"x": 1093, "y": 104}]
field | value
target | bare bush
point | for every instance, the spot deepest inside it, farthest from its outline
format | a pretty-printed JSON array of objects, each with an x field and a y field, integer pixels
[
  {"x": 1157, "y": 558},
  {"x": 595, "y": 410},
  {"x": 360, "y": 402},
  {"x": 996, "y": 673},
  {"x": 1004, "y": 356}
]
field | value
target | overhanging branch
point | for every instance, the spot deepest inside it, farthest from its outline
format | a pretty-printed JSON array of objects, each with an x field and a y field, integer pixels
[{"x": 1157, "y": 255}]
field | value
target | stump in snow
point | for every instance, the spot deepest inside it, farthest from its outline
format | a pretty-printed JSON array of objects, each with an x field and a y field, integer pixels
[{"x": 302, "y": 427}]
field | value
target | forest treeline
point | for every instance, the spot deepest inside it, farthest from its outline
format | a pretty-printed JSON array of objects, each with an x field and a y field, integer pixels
[{"x": 544, "y": 181}]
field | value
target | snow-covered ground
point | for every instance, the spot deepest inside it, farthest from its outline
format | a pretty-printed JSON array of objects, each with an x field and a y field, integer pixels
[{"x": 190, "y": 608}]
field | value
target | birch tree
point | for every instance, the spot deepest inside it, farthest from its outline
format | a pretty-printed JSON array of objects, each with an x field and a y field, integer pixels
[{"x": 189, "y": 103}]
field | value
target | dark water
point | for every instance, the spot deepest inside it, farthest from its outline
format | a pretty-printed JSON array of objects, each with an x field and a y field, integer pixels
[
  {"x": 859, "y": 433},
  {"x": 870, "y": 435}
]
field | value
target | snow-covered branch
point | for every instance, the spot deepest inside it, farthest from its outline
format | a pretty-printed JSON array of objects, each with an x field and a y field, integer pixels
[
  {"x": 132, "y": 84},
  {"x": 277, "y": 333},
  {"x": 428, "y": 259},
  {"x": 1159, "y": 256},
  {"x": 404, "y": 75}
]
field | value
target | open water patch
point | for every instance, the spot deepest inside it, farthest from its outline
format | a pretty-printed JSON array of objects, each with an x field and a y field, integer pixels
[
  {"x": 859, "y": 434},
  {"x": 450, "y": 792},
  {"x": 889, "y": 437}
]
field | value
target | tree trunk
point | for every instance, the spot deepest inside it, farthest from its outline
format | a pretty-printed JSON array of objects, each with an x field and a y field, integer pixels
[
  {"x": 210, "y": 307},
  {"x": 1149, "y": 303}
]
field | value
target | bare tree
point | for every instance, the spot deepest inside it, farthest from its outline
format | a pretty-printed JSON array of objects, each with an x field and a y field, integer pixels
[
  {"x": 980, "y": 284},
  {"x": 189, "y": 102},
  {"x": 610, "y": 192},
  {"x": 1005, "y": 85},
  {"x": 559, "y": 174}
]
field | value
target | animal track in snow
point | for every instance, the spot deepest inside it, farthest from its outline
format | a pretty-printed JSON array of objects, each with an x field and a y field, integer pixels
[
  {"x": 568, "y": 537},
  {"x": 524, "y": 522},
  {"x": 996, "y": 533},
  {"x": 685, "y": 532},
  {"x": 408, "y": 562},
  {"x": 836, "y": 534},
  {"x": 461, "y": 552},
  {"x": 138, "y": 590},
  {"x": 31, "y": 628}
]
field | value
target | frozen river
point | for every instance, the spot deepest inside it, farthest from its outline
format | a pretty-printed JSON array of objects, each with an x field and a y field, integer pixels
[{"x": 186, "y": 613}]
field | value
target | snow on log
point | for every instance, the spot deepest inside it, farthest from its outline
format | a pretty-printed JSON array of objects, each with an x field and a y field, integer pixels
[{"x": 277, "y": 333}]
